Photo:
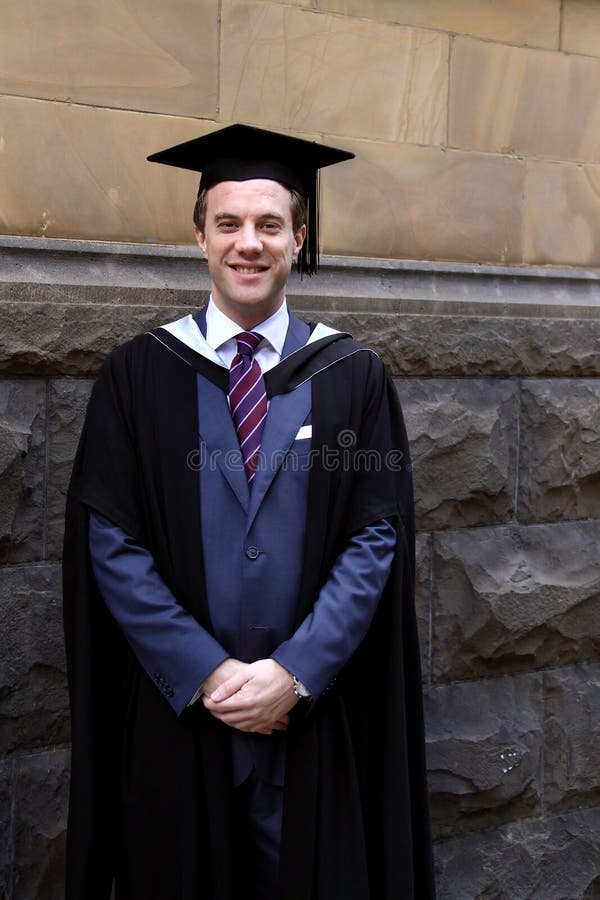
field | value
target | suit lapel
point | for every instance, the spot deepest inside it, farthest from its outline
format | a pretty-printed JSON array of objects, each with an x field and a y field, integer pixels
[
  {"x": 297, "y": 335},
  {"x": 218, "y": 433}
]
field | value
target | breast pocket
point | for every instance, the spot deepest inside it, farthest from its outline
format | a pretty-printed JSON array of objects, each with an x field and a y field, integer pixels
[{"x": 298, "y": 456}]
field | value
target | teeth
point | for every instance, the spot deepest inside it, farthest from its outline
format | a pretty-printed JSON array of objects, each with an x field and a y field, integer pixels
[{"x": 245, "y": 270}]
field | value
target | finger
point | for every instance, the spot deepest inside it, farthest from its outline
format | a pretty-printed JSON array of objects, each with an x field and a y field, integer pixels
[
  {"x": 237, "y": 703},
  {"x": 209, "y": 705},
  {"x": 229, "y": 687}
]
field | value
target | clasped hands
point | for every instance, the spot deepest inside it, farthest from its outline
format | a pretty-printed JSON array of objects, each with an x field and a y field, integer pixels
[{"x": 253, "y": 697}]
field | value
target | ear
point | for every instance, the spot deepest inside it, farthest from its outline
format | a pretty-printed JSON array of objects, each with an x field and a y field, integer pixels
[
  {"x": 200, "y": 238},
  {"x": 299, "y": 237}
]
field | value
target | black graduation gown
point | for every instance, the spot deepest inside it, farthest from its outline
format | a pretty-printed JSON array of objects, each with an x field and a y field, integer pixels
[{"x": 151, "y": 793}]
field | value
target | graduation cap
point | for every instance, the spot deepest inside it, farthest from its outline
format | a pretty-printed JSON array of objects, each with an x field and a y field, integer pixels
[{"x": 242, "y": 152}]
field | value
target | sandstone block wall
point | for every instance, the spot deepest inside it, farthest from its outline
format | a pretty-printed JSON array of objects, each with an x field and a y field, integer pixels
[
  {"x": 500, "y": 388},
  {"x": 475, "y": 126},
  {"x": 475, "y": 123}
]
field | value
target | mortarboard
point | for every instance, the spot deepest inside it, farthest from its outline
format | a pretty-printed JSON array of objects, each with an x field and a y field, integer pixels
[{"x": 242, "y": 152}]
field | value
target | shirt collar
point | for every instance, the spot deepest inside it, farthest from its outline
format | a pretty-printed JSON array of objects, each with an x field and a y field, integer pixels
[{"x": 220, "y": 328}]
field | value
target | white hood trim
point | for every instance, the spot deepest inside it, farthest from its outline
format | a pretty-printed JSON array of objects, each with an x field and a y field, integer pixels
[
  {"x": 187, "y": 331},
  {"x": 322, "y": 331}
]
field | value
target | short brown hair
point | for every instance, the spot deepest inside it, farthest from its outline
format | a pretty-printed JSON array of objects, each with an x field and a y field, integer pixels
[{"x": 297, "y": 206}]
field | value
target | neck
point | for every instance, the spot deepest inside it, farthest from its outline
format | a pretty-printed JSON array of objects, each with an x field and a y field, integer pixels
[{"x": 248, "y": 317}]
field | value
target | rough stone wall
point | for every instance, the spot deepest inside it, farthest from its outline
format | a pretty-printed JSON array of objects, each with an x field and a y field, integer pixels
[
  {"x": 499, "y": 376},
  {"x": 475, "y": 122},
  {"x": 475, "y": 125}
]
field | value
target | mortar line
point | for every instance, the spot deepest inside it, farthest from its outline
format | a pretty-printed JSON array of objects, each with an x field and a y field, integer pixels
[
  {"x": 518, "y": 452},
  {"x": 126, "y": 109},
  {"x": 451, "y": 38},
  {"x": 561, "y": 13},
  {"x": 520, "y": 157},
  {"x": 525, "y": 820},
  {"x": 431, "y": 611},
  {"x": 456, "y": 681},
  {"x": 46, "y": 468},
  {"x": 31, "y": 564}
]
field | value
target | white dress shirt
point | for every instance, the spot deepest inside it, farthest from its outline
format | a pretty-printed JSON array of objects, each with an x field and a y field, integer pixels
[{"x": 221, "y": 332}]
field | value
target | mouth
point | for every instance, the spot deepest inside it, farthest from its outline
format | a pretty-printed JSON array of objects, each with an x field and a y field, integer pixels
[{"x": 248, "y": 270}]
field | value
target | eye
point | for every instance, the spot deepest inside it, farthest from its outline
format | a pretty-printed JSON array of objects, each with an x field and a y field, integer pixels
[
  {"x": 226, "y": 225},
  {"x": 271, "y": 226}
]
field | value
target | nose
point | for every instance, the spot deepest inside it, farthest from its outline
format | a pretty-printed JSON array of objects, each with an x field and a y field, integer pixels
[{"x": 248, "y": 239}]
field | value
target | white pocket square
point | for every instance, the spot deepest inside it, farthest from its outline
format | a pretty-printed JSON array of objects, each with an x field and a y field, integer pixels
[{"x": 305, "y": 432}]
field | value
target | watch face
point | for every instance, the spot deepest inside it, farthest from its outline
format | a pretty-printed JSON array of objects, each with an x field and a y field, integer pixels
[{"x": 300, "y": 689}]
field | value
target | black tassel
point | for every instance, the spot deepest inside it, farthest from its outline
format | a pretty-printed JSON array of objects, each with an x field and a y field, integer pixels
[{"x": 308, "y": 258}]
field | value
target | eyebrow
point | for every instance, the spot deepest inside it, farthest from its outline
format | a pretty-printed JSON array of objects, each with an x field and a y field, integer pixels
[{"x": 266, "y": 215}]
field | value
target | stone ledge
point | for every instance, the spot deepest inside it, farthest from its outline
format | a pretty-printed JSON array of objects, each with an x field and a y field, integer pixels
[
  {"x": 52, "y": 261},
  {"x": 70, "y": 302}
]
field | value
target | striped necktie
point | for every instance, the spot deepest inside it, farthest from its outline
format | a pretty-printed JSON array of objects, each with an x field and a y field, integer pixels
[{"x": 248, "y": 400}]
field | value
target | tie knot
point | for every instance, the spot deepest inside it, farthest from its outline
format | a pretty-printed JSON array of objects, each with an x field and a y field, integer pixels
[{"x": 247, "y": 342}]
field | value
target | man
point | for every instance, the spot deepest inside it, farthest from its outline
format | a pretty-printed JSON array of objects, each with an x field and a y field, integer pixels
[{"x": 240, "y": 627}]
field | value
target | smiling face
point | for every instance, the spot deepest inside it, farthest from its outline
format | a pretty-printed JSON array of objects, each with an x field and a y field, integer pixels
[{"x": 250, "y": 245}]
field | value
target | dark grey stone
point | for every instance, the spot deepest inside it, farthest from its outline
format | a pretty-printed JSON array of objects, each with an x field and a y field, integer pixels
[
  {"x": 57, "y": 338},
  {"x": 22, "y": 465},
  {"x": 33, "y": 696},
  {"x": 67, "y": 403},
  {"x": 65, "y": 339},
  {"x": 559, "y": 467},
  {"x": 484, "y": 747},
  {"x": 557, "y": 858},
  {"x": 463, "y": 438},
  {"x": 7, "y": 768},
  {"x": 423, "y": 598},
  {"x": 572, "y": 742},
  {"x": 41, "y": 822},
  {"x": 474, "y": 345},
  {"x": 515, "y": 598}
]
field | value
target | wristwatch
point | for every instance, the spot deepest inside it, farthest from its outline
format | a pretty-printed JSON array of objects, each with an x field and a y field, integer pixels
[{"x": 300, "y": 689}]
